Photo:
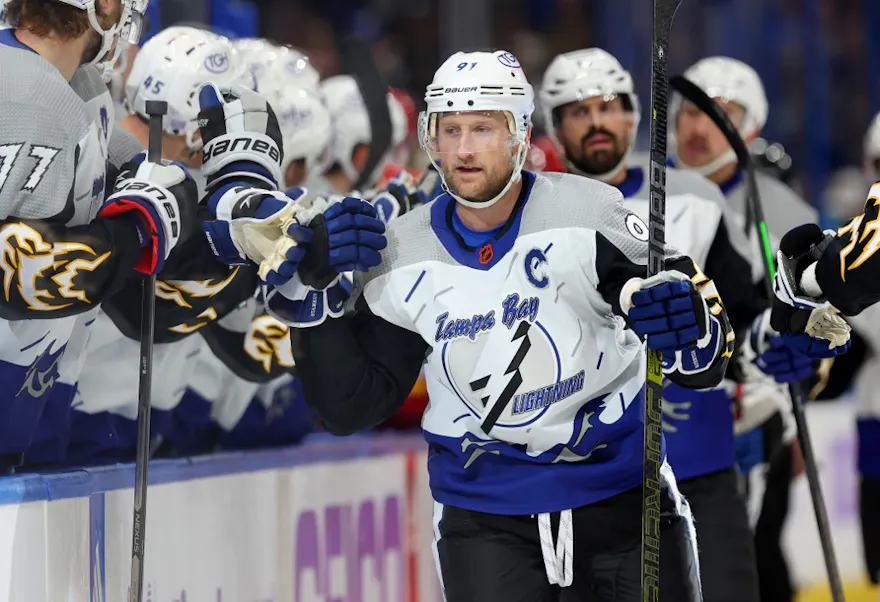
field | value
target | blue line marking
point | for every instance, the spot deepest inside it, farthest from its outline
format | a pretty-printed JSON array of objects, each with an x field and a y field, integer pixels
[
  {"x": 601, "y": 355},
  {"x": 415, "y": 286},
  {"x": 37, "y": 342}
]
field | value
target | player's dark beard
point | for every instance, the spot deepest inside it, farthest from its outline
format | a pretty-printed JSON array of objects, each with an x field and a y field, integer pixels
[{"x": 598, "y": 161}]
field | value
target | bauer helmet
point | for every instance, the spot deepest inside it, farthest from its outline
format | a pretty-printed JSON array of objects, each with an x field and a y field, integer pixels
[
  {"x": 480, "y": 82},
  {"x": 729, "y": 80},
  {"x": 583, "y": 74}
]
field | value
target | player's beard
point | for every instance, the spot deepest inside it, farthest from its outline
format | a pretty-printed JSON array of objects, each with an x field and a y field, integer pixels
[
  {"x": 494, "y": 181},
  {"x": 596, "y": 162}
]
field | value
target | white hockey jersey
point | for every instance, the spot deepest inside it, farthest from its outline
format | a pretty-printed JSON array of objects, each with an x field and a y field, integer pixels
[
  {"x": 55, "y": 137},
  {"x": 534, "y": 378}
]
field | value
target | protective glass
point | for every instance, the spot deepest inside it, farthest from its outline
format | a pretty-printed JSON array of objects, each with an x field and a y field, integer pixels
[{"x": 455, "y": 136}]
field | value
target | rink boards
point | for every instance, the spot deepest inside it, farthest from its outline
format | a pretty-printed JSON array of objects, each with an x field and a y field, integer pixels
[{"x": 342, "y": 520}]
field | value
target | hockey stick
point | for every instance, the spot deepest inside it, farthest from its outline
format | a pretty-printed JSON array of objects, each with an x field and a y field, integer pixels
[
  {"x": 664, "y": 12},
  {"x": 694, "y": 94},
  {"x": 357, "y": 61},
  {"x": 156, "y": 109}
]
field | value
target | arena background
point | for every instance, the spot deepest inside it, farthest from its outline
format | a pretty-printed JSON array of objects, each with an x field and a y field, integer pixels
[{"x": 246, "y": 526}]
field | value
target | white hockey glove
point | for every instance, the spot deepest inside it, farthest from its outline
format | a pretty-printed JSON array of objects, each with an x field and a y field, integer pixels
[
  {"x": 268, "y": 228},
  {"x": 242, "y": 137},
  {"x": 807, "y": 322},
  {"x": 164, "y": 198}
]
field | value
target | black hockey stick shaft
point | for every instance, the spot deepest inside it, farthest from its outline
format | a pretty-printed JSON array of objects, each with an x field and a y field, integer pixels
[
  {"x": 664, "y": 12},
  {"x": 357, "y": 61},
  {"x": 156, "y": 110},
  {"x": 701, "y": 100}
]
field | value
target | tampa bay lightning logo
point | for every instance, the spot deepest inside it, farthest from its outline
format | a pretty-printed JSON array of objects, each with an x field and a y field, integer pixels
[
  {"x": 507, "y": 374},
  {"x": 536, "y": 268},
  {"x": 508, "y": 60},
  {"x": 217, "y": 62},
  {"x": 41, "y": 375}
]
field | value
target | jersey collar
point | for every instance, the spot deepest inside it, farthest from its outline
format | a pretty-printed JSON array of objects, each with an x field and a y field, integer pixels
[
  {"x": 635, "y": 177},
  {"x": 734, "y": 181},
  {"x": 7, "y": 38},
  {"x": 489, "y": 253}
]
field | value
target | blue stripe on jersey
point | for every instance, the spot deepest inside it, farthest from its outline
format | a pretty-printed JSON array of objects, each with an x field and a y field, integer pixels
[
  {"x": 869, "y": 447},
  {"x": 734, "y": 181},
  {"x": 477, "y": 257},
  {"x": 499, "y": 478},
  {"x": 702, "y": 442},
  {"x": 472, "y": 237}
]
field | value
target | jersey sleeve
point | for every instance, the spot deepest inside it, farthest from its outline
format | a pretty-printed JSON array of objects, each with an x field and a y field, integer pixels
[
  {"x": 259, "y": 353},
  {"x": 51, "y": 271},
  {"x": 122, "y": 147},
  {"x": 357, "y": 370},
  {"x": 848, "y": 271},
  {"x": 622, "y": 254}
]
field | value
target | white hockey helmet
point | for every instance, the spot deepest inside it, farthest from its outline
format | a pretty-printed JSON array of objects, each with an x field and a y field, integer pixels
[
  {"x": 729, "y": 80},
  {"x": 305, "y": 125},
  {"x": 276, "y": 66},
  {"x": 129, "y": 29},
  {"x": 172, "y": 66},
  {"x": 582, "y": 74},
  {"x": 480, "y": 81},
  {"x": 872, "y": 150},
  {"x": 351, "y": 125}
]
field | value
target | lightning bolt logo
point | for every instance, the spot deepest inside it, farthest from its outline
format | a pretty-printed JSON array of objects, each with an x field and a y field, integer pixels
[{"x": 490, "y": 387}]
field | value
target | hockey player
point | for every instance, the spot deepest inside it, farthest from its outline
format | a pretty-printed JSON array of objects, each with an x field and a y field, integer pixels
[
  {"x": 699, "y": 145},
  {"x": 522, "y": 294},
  {"x": 66, "y": 249},
  {"x": 591, "y": 112}
]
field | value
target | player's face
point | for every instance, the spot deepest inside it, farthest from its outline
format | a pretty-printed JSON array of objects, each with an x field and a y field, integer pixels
[
  {"x": 699, "y": 139},
  {"x": 475, "y": 153},
  {"x": 595, "y": 133}
]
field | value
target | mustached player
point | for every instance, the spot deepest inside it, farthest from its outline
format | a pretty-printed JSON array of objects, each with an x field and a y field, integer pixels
[
  {"x": 592, "y": 113},
  {"x": 65, "y": 249},
  {"x": 523, "y": 296}
]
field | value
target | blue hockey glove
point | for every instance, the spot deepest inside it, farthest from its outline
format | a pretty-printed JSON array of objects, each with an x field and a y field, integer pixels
[
  {"x": 400, "y": 196},
  {"x": 348, "y": 236},
  {"x": 300, "y": 306},
  {"x": 768, "y": 351},
  {"x": 164, "y": 199},
  {"x": 806, "y": 321},
  {"x": 241, "y": 136},
  {"x": 262, "y": 227},
  {"x": 667, "y": 309}
]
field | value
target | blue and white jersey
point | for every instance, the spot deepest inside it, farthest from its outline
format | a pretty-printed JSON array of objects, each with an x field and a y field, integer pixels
[
  {"x": 534, "y": 378},
  {"x": 698, "y": 425}
]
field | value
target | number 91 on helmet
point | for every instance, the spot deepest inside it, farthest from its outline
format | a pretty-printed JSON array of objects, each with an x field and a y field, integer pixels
[{"x": 477, "y": 125}]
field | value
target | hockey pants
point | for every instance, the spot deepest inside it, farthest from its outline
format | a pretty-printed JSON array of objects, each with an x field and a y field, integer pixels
[{"x": 485, "y": 557}]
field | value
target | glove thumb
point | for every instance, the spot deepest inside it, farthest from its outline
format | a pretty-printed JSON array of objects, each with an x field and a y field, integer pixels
[{"x": 210, "y": 97}]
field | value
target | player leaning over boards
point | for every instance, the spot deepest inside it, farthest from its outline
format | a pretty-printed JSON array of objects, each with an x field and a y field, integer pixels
[
  {"x": 522, "y": 294},
  {"x": 63, "y": 249},
  {"x": 592, "y": 113}
]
